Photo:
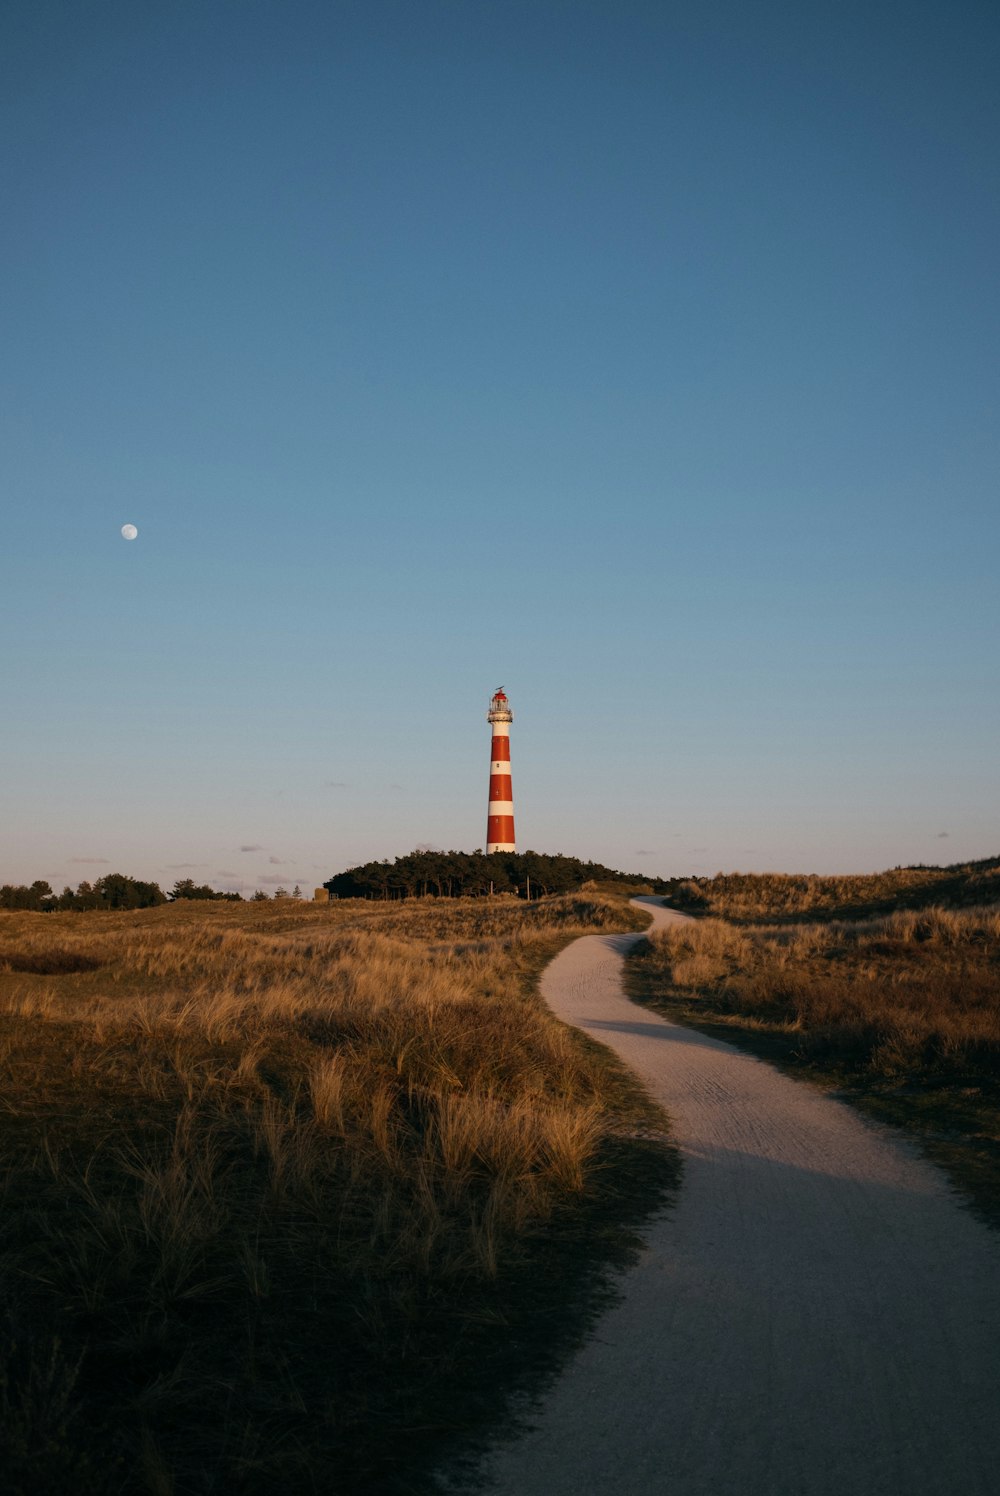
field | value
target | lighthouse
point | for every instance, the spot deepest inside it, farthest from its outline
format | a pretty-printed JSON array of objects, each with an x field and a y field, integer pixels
[{"x": 500, "y": 819}]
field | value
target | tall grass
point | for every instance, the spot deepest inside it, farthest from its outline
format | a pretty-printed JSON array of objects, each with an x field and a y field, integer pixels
[
  {"x": 268, "y": 1171},
  {"x": 763, "y": 897},
  {"x": 914, "y": 991}
]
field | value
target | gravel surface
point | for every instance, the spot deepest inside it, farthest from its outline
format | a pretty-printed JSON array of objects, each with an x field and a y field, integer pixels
[{"x": 816, "y": 1316}]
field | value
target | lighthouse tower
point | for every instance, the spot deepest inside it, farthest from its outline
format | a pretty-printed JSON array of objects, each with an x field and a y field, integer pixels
[{"x": 500, "y": 820}]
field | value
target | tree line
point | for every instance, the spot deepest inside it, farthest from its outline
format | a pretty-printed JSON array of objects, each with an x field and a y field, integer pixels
[
  {"x": 456, "y": 875},
  {"x": 451, "y": 875},
  {"x": 116, "y": 891}
]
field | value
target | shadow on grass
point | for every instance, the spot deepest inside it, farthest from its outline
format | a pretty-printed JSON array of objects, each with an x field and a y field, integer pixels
[
  {"x": 49, "y": 963},
  {"x": 361, "y": 1381},
  {"x": 258, "y": 1331}
]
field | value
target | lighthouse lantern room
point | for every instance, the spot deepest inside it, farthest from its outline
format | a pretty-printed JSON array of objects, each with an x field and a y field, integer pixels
[{"x": 500, "y": 818}]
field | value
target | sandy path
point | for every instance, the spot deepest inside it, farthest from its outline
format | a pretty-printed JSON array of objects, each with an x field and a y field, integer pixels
[{"x": 816, "y": 1316}]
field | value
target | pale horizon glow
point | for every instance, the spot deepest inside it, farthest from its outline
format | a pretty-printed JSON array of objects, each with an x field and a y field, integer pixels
[{"x": 644, "y": 357}]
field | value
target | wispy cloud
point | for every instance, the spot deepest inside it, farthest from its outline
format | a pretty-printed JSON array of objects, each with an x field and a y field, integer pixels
[
  {"x": 90, "y": 859},
  {"x": 226, "y": 872},
  {"x": 277, "y": 861},
  {"x": 337, "y": 784},
  {"x": 252, "y": 847},
  {"x": 941, "y": 834},
  {"x": 643, "y": 852},
  {"x": 173, "y": 866},
  {"x": 276, "y": 881}
]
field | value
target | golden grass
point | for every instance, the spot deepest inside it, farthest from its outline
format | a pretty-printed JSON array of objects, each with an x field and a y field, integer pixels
[
  {"x": 763, "y": 897},
  {"x": 911, "y": 991},
  {"x": 260, "y": 1160}
]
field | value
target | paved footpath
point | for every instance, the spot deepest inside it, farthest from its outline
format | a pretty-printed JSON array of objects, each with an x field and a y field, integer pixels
[{"x": 816, "y": 1315}]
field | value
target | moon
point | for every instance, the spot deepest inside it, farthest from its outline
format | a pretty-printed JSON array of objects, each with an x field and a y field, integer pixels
[{"x": 129, "y": 532}]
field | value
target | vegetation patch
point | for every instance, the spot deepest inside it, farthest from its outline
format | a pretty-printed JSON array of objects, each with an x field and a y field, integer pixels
[
  {"x": 47, "y": 963},
  {"x": 901, "y": 1014},
  {"x": 465, "y": 874},
  {"x": 296, "y": 1196},
  {"x": 754, "y": 898}
]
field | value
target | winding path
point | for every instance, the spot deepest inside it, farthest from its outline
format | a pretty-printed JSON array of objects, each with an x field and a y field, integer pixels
[{"x": 816, "y": 1316}]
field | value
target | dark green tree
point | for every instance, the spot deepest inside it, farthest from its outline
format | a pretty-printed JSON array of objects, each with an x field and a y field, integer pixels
[
  {"x": 186, "y": 888},
  {"x": 118, "y": 891},
  {"x": 472, "y": 874},
  {"x": 38, "y": 897}
]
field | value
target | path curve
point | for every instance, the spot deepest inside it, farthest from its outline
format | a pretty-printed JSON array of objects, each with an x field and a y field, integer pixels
[{"x": 816, "y": 1316}]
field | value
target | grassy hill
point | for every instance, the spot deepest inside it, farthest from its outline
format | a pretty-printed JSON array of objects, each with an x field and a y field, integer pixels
[{"x": 751, "y": 898}]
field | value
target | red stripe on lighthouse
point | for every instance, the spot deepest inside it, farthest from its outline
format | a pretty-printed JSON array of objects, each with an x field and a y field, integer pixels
[
  {"x": 500, "y": 752},
  {"x": 500, "y": 787},
  {"x": 500, "y": 829}
]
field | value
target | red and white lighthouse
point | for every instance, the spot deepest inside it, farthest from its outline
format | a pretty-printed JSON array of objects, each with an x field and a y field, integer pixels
[{"x": 500, "y": 819}]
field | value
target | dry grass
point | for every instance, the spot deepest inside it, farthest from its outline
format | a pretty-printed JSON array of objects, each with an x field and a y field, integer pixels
[
  {"x": 270, "y": 1174},
  {"x": 909, "y": 992},
  {"x": 901, "y": 1012},
  {"x": 752, "y": 898}
]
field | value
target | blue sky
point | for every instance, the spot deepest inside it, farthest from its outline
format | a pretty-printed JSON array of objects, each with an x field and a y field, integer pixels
[{"x": 639, "y": 357}]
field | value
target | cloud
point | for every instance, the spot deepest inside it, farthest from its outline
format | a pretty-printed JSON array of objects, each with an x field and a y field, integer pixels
[
  {"x": 253, "y": 847},
  {"x": 226, "y": 872},
  {"x": 643, "y": 852},
  {"x": 277, "y": 861},
  {"x": 395, "y": 786},
  {"x": 90, "y": 859},
  {"x": 940, "y": 835},
  {"x": 174, "y": 865},
  {"x": 337, "y": 784},
  {"x": 276, "y": 881}
]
